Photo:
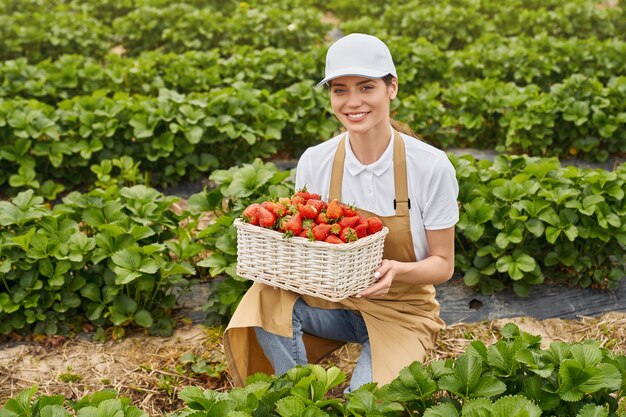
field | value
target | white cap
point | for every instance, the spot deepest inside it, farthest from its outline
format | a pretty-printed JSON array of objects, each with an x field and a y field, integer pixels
[{"x": 358, "y": 54}]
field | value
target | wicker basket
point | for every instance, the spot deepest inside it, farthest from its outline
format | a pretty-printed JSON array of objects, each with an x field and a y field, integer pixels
[{"x": 320, "y": 269}]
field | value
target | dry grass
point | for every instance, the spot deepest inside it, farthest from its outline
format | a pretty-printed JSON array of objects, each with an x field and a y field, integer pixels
[{"x": 148, "y": 369}]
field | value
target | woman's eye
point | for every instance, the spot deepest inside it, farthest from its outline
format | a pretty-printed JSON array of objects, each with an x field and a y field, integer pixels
[
  {"x": 338, "y": 91},
  {"x": 367, "y": 87}
]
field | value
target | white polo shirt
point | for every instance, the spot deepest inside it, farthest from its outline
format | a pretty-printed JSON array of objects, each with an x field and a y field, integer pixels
[{"x": 433, "y": 189}]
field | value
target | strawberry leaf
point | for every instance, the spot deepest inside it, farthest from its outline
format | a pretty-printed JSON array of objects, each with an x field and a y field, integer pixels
[
  {"x": 442, "y": 410},
  {"x": 413, "y": 383},
  {"x": 515, "y": 406}
]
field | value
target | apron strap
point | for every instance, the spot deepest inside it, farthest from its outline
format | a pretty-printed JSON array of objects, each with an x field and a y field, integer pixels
[
  {"x": 336, "y": 176},
  {"x": 401, "y": 202}
]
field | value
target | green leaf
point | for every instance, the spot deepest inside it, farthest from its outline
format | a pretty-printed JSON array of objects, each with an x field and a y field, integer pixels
[
  {"x": 576, "y": 379},
  {"x": 467, "y": 381},
  {"x": 535, "y": 226},
  {"x": 290, "y": 407},
  {"x": 195, "y": 398},
  {"x": 501, "y": 357},
  {"x": 593, "y": 410},
  {"x": 472, "y": 277},
  {"x": 248, "y": 179},
  {"x": 130, "y": 264},
  {"x": 54, "y": 411},
  {"x": 441, "y": 410},
  {"x": 509, "y": 191},
  {"x": 557, "y": 352},
  {"x": 552, "y": 234},
  {"x": 533, "y": 361},
  {"x": 488, "y": 386},
  {"x": 515, "y": 406},
  {"x": 586, "y": 355},
  {"x": 143, "y": 318},
  {"x": 330, "y": 377},
  {"x": 413, "y": 383},
  {"x": 227, "y": 243},
  {"x": 216, "y": 263},
  {"x": 20, "y": 405}
]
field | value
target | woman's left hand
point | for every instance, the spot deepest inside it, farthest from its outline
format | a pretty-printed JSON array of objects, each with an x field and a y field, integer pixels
[{"x": 380, "y": 287}]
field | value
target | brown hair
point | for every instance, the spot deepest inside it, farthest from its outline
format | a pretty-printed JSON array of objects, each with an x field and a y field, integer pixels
[{"x": 396, "y": 124}]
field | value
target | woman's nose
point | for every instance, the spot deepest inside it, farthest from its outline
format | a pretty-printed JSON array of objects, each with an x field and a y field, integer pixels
[{"x": 354, "y": 100}]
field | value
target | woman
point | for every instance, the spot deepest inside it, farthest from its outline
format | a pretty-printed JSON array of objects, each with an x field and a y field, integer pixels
[{"x": 411, "y": 186}]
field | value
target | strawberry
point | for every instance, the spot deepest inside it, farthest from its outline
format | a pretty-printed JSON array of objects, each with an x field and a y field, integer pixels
[
  {"x": 334, "y": 210},
  {"x": 296, "y": 199},
  {"x": 361, "y": 230},
  {"x": 321, "y": 219},
  {"x": 250, "y": 214},
  {"x": 266, "y": 218},
  {"x": 332, "y": 239},
  {"x": 321, "y": 231},
  {"x": 348, "y": 221},
  {"x": 347, "y": 235},
  {"x": 291, "y": 225},
  {"x": 362, "y": 220},
  {"x": 318, "y": 204},
  {"x": 304, "y": 234},
  {"x": 307, "y": 211},
  {"x": 285, "y": 201},
  {"x": 276, "y": 209},
  {"x": 349, "y": 211},
  {"x": 335, "y": 229},
  {"x": 306, "y": 195},
  {"x": 374, "y": 224}
]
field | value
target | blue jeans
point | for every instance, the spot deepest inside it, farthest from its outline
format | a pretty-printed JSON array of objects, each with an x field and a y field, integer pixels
[{"x": 345, "y": 325}]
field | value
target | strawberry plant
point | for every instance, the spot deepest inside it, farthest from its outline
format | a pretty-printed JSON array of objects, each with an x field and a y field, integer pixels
[
  {"x": 102, "y": 256},
  {"x": 523, "y": 219},
  {"x": 515, "y": 376},
  {"x": 454, "y": 24}
]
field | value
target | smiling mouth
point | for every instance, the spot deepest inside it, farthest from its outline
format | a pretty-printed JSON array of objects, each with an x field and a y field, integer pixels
[{"x": 356, "y": 116}]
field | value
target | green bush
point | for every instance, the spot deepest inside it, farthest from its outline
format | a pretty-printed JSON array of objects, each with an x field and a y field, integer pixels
[
  {"x": 173, "y": 136},
  {"x": 523, "y": 219},
  {"x": 454, "y": 24},
  {"x": 112, "y": 257}
]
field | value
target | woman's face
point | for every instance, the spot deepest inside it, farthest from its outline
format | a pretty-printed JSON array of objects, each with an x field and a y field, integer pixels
[{"x": 362, "y": 103}]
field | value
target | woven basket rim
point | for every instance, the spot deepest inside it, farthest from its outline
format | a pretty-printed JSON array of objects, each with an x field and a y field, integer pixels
[{"x": 339, "y": 247}]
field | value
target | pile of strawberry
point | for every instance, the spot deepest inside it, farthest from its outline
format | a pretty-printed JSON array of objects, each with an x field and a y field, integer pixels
[{"x": 306, "y": 215}]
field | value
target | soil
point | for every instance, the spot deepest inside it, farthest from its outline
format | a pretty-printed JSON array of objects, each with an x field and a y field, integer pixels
[{"x": 150, "y": 371}]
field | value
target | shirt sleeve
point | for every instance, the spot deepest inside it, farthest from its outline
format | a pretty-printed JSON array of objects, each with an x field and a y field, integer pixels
[{"x": 441, "y": 210}]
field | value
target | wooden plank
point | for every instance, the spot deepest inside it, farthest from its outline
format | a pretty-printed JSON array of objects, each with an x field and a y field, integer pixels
[{"x": 459, "y": 303}]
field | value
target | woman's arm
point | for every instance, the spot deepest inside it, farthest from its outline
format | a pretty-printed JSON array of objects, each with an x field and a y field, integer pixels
[{"x": 438, "y": 267}]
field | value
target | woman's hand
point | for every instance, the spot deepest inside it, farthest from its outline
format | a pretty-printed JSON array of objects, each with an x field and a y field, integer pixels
[{"x": 386, "y": 275}]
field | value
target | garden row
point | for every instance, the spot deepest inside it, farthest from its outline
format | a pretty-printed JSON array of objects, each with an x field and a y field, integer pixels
[
  {"x": 119, "y": 256},
  {"x": 512, "y": 377},
  {"x": 453, "y": 24},
  {"x": 176, "y": 136},
  {"x": 44, "y": 29},
  {"x": 541, "y": 61},
  {"x": 172, "y": 27}
]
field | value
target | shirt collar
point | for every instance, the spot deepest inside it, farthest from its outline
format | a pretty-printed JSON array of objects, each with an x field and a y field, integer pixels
[{"x": 355, "y": 167}]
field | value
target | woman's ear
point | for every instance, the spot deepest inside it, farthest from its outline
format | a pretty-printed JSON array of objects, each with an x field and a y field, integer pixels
[{"x": 393, "y": 89}]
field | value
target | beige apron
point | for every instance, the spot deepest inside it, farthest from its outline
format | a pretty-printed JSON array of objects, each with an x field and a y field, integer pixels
[{"x": 402, "y": 324}]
